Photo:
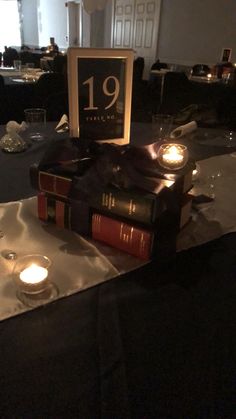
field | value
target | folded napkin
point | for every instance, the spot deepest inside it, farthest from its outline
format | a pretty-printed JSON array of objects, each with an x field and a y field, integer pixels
[
  {"x": 183, "y": 130},
  {"x": 63, "y": 124}
]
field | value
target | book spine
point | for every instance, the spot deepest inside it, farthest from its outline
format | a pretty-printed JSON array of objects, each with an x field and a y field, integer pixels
[
  {"x": 143, "y": 208},
  {"x": 72, "y": 216},
  {"x": 123, "y": 236},
  {"x": 55, "y": 211}
]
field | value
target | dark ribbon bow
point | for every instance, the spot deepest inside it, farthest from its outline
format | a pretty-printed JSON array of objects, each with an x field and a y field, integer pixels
[{"x": 96, "y": 165}]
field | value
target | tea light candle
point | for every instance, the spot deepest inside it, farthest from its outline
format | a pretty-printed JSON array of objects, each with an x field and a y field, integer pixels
[
  {"x": 209, "y": 76},
  {"x": 34, "y": 274},
  {"x": 172, "y": 156},
  {"x": 31, "y": 273},
  {"x": 34, "y": 278}
]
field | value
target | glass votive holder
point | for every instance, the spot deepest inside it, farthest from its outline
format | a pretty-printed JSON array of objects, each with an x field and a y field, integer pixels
[
  {"x": 161, "y": 126},
  {"x": 172, "y": 156},
  {"x": 31, "y": 274}
]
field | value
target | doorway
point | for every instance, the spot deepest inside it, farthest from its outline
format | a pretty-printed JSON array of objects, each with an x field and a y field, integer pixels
[{"x": 136, "y": 26}]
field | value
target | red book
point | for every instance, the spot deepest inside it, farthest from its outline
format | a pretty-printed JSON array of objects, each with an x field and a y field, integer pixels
[{"x": 123, "y": 236}]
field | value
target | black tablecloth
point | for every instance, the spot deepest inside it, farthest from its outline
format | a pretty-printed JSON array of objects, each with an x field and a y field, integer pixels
[
  {"x": 151, "y": 344},
  {"x": 14, "y": 168}
]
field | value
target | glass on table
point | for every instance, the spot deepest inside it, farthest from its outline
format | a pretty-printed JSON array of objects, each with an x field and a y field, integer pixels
[
  {"x": 161, "y": 126},
  {"x": 35, "y": 119},
  {"x": 213, "y": 183},
  {"x": 32, "y": 277},
  {"x": 17, "y": 65},
  {"x": 230, "y": 136}
]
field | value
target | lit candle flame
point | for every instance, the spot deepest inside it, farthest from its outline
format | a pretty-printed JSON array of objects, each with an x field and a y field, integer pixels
[
  {"x": 173, "y": 155},
  {"x": 34, "y": 274}
]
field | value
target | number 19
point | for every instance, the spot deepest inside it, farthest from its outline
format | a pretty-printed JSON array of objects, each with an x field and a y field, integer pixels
[{"x": 113, "y": 93}]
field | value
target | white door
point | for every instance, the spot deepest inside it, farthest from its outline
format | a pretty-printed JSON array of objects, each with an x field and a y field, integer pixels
[
  {"x": 136, "y": 25},
  {"x": 123, "y": 24}
]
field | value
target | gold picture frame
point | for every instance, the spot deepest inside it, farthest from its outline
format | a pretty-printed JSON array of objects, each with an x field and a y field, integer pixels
[{"x": 100, "y": 93}]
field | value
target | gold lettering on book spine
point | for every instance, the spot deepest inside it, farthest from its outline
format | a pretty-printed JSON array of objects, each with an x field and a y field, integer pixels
[
  {"x": 108, "y": 200},
  {"x": 132, "y": 207},
  {"x": 104, "y": 200},
  {"x": 142, "y": 243},
  {"x": 112, "y": 201},
  {"x": 121, "y": 232},
  {"x": 97, "y": 223},
  {"x": 131, "y": 234},
  {"x": 127, "y": 236}
]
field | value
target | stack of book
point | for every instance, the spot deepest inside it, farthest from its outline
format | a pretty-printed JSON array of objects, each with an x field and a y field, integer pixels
[{"x": 138, "y": 222}]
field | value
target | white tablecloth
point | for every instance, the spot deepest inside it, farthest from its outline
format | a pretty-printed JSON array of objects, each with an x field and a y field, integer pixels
[{"x": 77, "y": 264}]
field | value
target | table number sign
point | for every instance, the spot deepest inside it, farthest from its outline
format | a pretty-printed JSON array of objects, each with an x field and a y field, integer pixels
[{"x": 100, "y": 91}]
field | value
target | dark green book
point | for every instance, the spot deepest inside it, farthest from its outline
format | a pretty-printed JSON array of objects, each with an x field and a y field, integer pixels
[{"x": 133, "y": 205}]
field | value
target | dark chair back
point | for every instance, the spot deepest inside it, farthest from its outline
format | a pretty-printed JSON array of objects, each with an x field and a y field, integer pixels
[
  {"x": 30, "y": 57},
  {"x": 60, "y": 66},
  {"x": 179, "y": 93},
  {"x": 48, "y": 84},
  {"x": 2, "y": 84},
  {"x": 4, "y": 103},
  {"x": 56, "y": 105},
  {"x": 158, "y": 65},
  {"x": 9, "y": 55},
  {"x": 176, "y": 92},
  {"x": 138, "y": 68}
]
